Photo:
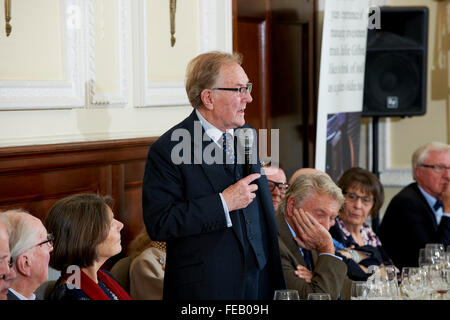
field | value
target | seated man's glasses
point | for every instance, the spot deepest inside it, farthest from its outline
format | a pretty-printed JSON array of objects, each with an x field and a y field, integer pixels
[
  {"x": 49, "y": 241},
  {"x": 241, "y": 90},
  {"x": 353, "y": 197},
  {"x": 437, "y": 168},
  {"x": 280, "y": 185},
  {"x": 10, "y": 262}
]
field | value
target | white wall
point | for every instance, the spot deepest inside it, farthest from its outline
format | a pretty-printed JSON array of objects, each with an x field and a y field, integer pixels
[{"x": 83, "y": 70}]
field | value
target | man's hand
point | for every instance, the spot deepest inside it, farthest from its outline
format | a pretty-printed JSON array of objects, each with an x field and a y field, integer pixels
[
  {"x": 311, "y": 235},
  {"x": 241, "y": 194},
  {"x": 303, "y": 273}
]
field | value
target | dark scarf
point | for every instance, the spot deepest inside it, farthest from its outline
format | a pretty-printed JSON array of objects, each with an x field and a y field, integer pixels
[{"x": 93, "y": 290}]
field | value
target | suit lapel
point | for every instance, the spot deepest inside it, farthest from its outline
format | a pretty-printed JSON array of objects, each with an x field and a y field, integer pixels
[
  {"x": 429, "y": 211},
  {"x": 214, "y": 172},
  {"x": 286, "y": 236}
]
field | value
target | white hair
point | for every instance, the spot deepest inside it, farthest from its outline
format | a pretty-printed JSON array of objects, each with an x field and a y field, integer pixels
[
  {"x": 421, "y": 153},
  {"x": 24, "y": 235}
]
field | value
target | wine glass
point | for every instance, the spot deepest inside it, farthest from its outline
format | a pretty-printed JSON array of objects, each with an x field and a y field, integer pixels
[
  {"x": 359, "y": 290},
  {"x": 434, "y": 252},
  {"x": 318, "y": 296},
  {"x": 287, "y": 294},
  {"x": 438, "y": 277},
  {"x": 392, "y": 279},
  {"x": 412, "y": 285},
  {"x": 424, "y": 259}
]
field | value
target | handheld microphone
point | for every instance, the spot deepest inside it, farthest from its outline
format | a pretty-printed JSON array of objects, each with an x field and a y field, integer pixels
[{"x": 247, "y": 157}]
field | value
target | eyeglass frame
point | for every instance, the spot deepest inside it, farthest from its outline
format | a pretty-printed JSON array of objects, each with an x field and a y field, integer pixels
[
  {"x": 241, "y": 90},
  {"x": 50, "y": 239},
  {"x": 356, "y": 197},
  {"x": 436, "y": 167},
  {"x": 10, "y": 263},
  {"x": 277, "y": 184}
]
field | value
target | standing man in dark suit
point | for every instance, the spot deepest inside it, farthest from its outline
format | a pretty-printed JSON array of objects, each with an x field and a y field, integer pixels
[
  {"x": 420, "y": 213},
  {"x": 219, "y": 224}
]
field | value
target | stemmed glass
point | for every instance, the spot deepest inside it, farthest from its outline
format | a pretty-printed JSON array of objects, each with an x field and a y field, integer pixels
[
  {"x": 288, "y": 294},
  {"x": 412, "y": 285},
  {"x": 434, "y": 252},
  {"x": 438, "y": 277},
  {"x": 424, "y": 258}
]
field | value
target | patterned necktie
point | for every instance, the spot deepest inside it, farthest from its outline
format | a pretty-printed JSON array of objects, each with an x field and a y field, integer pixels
[
  {"x": 437, "y": 205},
  {"x": 228, "y": 152}
]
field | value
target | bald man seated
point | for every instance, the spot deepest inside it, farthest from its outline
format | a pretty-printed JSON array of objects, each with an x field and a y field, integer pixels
[{"x": 277, "y": 184}]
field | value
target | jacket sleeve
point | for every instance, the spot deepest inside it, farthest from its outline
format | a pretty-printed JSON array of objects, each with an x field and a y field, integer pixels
[{"x": 167, "y": 212}]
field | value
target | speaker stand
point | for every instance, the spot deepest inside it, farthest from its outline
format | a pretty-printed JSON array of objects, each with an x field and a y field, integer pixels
[{"x": 375, "y": 145}]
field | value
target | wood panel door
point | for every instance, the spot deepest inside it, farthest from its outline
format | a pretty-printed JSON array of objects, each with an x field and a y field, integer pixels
[{"x": 277, "y": 39}]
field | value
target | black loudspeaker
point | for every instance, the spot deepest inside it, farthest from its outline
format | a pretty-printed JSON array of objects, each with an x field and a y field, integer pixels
[{"x": 396, "y": 64}]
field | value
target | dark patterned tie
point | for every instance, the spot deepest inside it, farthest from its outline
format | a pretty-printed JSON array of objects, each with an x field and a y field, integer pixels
[
  {"x": 228, "y": 152},
  {"x": 437, "y": 205}
]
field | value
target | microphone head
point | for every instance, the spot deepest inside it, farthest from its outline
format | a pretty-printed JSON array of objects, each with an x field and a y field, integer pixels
[{"x": 245, "y": 136}]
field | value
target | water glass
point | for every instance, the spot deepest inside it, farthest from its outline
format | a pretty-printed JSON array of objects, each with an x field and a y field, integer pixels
[
  {"x": 318, "y": 296},
  {"x": 359, "y": 290},
  {"x": 287, "y": 294}
]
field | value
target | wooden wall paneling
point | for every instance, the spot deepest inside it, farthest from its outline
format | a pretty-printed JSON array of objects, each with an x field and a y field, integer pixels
[
  {"x": 35, "y": 177},
  {"x": 287, "y": 73},
  {"x": 255, "y": 65}
]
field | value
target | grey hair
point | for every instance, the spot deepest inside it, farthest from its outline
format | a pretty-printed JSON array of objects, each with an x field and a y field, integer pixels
[
  {"x": 203, "y": 72},
  {"x": 307, "y": 185},
  {"x": 6, "y": 223},
  {"x": 422, "y": 152},
  {"x": 23, "y": 235}
]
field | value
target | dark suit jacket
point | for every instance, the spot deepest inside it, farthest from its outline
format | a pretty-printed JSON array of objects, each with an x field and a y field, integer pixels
[
  {"x": 408, "y": 225},
  {"x": 182, "y": 206},
  {"x": 330, "y": 274},
  {"x": 11, "y": 296}
]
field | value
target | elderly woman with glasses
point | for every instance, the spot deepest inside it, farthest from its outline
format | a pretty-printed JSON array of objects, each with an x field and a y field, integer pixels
[
  {"x": 86, "y": 235},
  {"x": 355, "y": 240}
]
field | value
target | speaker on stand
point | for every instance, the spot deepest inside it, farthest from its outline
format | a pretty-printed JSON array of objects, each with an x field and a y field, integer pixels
[{"x": 396, "y": 70}]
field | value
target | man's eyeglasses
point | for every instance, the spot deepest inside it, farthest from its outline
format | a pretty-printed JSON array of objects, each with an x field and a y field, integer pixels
[
  {"x": 241, "y": 90},
  {"x": 353, "y": 197},
  {"x": 280, "y": 185},
  {"x": 49, "y": 241},
  {"x": 10, "y": 262},
  {"x": 437, "y": 168}
]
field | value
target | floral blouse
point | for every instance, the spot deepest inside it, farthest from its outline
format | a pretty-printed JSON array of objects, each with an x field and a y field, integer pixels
[{"x": 369, "y": 237}]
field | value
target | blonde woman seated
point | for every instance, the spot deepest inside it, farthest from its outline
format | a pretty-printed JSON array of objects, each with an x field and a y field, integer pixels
[{"x": 147, "y": 267}]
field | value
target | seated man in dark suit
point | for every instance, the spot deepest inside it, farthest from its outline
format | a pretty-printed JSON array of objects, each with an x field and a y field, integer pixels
[
  {"x": 420, "y": 212},
  {"x": 218, "y": 221},
  {"x": 304, "y": 217}
]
